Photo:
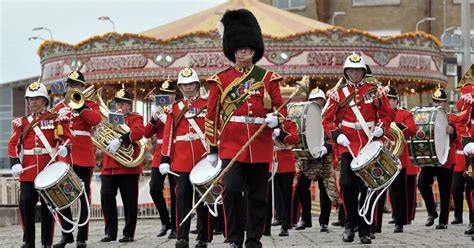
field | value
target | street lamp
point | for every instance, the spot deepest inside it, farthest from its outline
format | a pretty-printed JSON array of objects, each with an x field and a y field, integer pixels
[
  {"x": 337, "y": 13},
  {"x": 106, "y": 18},
  {"x": 36, "y": 38},
  {"x": 426, "y": 19},
  {"x": 45, "y": 28}
]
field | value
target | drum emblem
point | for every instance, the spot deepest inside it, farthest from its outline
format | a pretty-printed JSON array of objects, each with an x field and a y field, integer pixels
[
  {"x": 68, "y": 188},
  {"x": 420, "y": 134},
  {"x": 376, "y": 172}
]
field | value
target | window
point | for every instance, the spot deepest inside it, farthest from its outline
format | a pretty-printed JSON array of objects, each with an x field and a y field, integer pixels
[
  {"x": 290, "y": 4},
  {"x": 374, "y": 2}
]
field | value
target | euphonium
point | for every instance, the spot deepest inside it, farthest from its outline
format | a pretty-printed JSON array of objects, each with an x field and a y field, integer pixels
[
  {"x": 106, "y": 132},
  {"x": 394, "y": 140}
]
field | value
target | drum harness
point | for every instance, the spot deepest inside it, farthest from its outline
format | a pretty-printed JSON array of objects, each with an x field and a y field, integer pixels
[{"x": 365, "y": 208}]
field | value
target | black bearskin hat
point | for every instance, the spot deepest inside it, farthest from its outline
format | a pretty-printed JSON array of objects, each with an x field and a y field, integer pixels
[{"x": 241, "y": 30}]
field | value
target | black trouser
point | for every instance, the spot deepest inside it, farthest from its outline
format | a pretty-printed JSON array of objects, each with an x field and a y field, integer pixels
[
  {"x": 325, "y": 203},
  {"x": 304, "y": 195},
  {"x": 351, "y": 186},
  {"x": 27, "y": 203},
  {"x": 157, "y": 182},
  {"x": 285, "y": 191},
  {"x": 253, "y": 179},
  {"x": 425, "y": 185},
  {"x": 128, "y": 185},
  {"x": 459, "y": 184},
  {"x": 85, "y": 174},
  {"x": 219, "y": 220},
  {"x": 411, "y": 197},
  {"x": 341, "y": 213},
  {"x": 184, "y": 204},
  {"x": 470, "y": 198}
]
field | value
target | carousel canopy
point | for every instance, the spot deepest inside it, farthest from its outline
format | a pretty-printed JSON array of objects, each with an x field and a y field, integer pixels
[
  {"x": 295, "y": 46},
  {"x": 273, "y": 21}
]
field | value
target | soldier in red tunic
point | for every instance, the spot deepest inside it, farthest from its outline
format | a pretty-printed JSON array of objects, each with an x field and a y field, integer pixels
[
  {"x": 398, "y": 189},
  {"x": 183, "y": 147},
  {"x": 34, "y": 142},
  {"x": 285, "y": 164},
  {"x": 443, "y": 173},
  {"x": 242, "y": 98},
  {"x": 357, "y": 110},
  {"x": 82, "y": 158},
  {"x": 156, "y": 127},
  {"x": 116, "y": 176}
]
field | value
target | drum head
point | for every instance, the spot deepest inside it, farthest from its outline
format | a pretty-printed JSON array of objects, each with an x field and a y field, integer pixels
[
  {"x": 314, "y": 129},
  {"x": 441, "y": 137},
  {"x": 51, "y": 174},
  {"x": 204, "y": 172},
  {"x": 366, "y": 154}
]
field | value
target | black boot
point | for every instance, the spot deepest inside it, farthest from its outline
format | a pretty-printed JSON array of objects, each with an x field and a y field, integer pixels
[
  {"x": 65, "y": 239},
  {"x": 365, "y": 240},
  {"x": 430, "y": 220},
  {"x": 348, "y": 235},
  {"x": 182, "y": 243},
  {"x": 164, "y": 229},
  {"x": 456, "y": 221},
  {"x": 398, "y": 229},
  {"x": 470, "y": 229}
]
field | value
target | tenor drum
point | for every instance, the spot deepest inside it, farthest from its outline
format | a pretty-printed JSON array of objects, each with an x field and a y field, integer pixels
[
  {"x": 58, "y": 185},
  {"x": 307, "y": 116},
  {"x": 430, "y": 145},
  {"x": 376, "y": 165},
  {"x": 202, "y": 175}
]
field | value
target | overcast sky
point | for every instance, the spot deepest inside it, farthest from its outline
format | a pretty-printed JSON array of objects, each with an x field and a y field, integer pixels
[{"x": 72, "y": 21}]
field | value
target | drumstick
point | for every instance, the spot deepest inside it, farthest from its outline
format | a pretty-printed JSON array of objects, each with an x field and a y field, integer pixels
[
  {"x": 29, "y": 167},
  {"x": 172, "y": 173}
]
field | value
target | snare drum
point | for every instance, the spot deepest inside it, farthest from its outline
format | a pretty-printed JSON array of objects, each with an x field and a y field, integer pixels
[
  {"x": 202, "y": 175},
  {"x": 376, "y": 165},
  {"x": 430, "y": 145},
  {"x": 307, "y": 116},
  {"x": 58, "y": 185}
]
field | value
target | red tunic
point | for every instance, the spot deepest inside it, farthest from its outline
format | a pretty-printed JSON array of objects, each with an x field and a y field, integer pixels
[
  {"x": 155, "y": 128},
  {"x": 182, "y": 147},
  {"x": 285, "y": 157},
  {"x": 81, "y": 125},
  {"x": 48, "y": 124},
  {"x": 109, "y": 165},
  {"x": 232, "y": 135},
  {"x": 374, "y": 110},
  {"x": 406, "y": 123}
]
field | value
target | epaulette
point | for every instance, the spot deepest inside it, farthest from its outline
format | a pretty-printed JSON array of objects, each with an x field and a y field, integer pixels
[
  {"x": 214, "y": 78},
  {"x": 275, "y": 76}
]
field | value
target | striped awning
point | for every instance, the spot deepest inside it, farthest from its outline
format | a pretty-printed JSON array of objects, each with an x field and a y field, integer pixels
[{"x": 273, "y": 21}]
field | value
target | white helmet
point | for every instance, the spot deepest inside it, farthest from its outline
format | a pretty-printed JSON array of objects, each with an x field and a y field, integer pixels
[
  {"x": 354, "y": 61},
  {"x": 317, "y": 93},
  {"x": 37, "y": 89},
  {"x": 188, "y": 75}
]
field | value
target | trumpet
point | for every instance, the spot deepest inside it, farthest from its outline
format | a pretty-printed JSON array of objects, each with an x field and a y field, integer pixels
[{"x": 74, "y": 98}]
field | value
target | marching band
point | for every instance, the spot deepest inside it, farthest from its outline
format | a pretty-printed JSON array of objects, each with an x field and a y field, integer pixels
[{"x": 261, "y": 153}]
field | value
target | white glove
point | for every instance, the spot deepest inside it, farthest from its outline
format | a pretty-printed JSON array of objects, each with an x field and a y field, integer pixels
[
  {"x": 113, "y": 146},
  {"x": 155, "y": 114},
  {"x": 343, "y": 140},
  {"x": 17, "y": 169},
  {"x": 16, "y": 122},
  {"x": 323, "y": 151},
  {"x": 378, "y": 132},
  {"x": 212, "y": 159},
  {"x": 276, "y": 132},
  {"x": 63, "y": 152},
  {"x": 162, "y": 118},
  {"x": 271, "y": 120},
  {"x": 164, "y": 168},
  {"x": 469, "y": 148},
  {"x": 63, "y": 114}
]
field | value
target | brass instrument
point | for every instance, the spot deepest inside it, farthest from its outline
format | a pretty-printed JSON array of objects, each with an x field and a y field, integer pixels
[
  {"x": 395, "y": 144},
  {"x": 74, "y": 98},
  {"x": 106, "y": 132}
]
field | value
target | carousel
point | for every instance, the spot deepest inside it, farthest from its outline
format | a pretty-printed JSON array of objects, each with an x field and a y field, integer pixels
[{"x": 295, "y": 46}]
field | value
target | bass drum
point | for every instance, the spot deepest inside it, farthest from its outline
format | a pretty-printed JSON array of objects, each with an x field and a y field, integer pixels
[
  {"x": 307, "y": 116},
  {"x": 430, "y": 145}
]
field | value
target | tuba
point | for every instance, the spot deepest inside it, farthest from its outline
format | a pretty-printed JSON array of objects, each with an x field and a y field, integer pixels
[
  {"x": 394, "y": 140},
  {"x": 106, "y": 132}
]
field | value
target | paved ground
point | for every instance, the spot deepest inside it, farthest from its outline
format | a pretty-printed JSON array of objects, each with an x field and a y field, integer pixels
[{"x": 415, "y": 234}]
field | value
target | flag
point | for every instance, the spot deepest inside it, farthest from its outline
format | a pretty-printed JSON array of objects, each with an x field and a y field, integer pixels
[
  {"x": 58, "y": 88},
  {"x": 116, "y": 118},
  {"x": 162, "y": 100}
]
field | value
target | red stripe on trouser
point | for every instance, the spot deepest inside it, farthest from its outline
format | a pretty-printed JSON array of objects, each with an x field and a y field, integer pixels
[
  {"x": 21, "y": 219},
  {"x": 225, "y": 214}
]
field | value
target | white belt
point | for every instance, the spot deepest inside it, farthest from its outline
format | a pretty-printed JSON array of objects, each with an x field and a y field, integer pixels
[
  {"x": 472, "y": 121},
  {"x": 187, "y": 137},
  {"x": 80, "y": 133},
  {"x": 461, "y": 152},
  {"x": 159, "y": 141},
  {"x": 37, "y": 151},
  {"x": 247, "y": 119},
  {"x": 356, "y": 125}
]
